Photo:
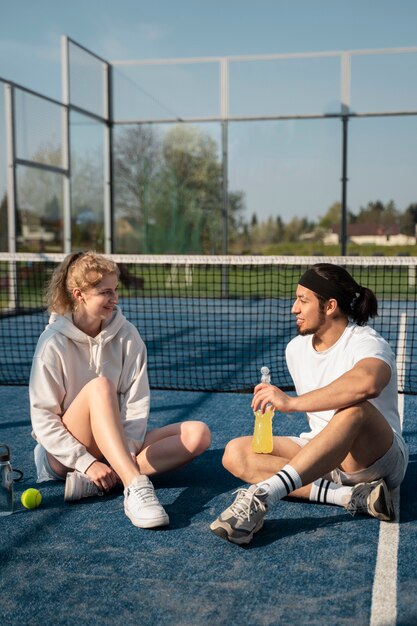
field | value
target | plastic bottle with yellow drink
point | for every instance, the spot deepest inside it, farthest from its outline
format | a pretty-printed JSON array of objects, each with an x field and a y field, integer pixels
[{"x": 262, "y": 432}]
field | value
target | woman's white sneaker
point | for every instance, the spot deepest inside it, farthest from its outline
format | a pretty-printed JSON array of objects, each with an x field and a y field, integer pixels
[
  {"x": 142, "y": 506},
  {"x": 79, "y": 486}
]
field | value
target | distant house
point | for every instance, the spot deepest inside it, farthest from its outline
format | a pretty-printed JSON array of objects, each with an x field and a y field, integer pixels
[
  {"x": 32, "y": 228},
  {"x": 370, "y": 233}
]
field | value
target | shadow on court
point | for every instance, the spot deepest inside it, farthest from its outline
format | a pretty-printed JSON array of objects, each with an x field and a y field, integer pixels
[
  {"x": 84, "y": 563},
  {"x": 408, "y": 492}
]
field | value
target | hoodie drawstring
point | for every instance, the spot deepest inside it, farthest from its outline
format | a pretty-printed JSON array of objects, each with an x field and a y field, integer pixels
[
  {"x": 90, "y": 346},
  {"x": 99, "y": 351},
  {"x": 97, "y": 361}
]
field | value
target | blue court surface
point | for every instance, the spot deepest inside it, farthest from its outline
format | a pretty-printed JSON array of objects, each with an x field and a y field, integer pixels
[{"x": 85, "y": 564}]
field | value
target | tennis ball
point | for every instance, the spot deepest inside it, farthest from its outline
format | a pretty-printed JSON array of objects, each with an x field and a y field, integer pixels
[{"x": 31, "y": 498}]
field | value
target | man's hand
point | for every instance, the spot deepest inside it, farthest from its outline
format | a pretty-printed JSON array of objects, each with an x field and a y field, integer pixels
[{"x": 269, "y": 394}]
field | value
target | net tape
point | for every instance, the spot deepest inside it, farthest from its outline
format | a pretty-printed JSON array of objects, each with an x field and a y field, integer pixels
[{"x": 209, "y": 322}]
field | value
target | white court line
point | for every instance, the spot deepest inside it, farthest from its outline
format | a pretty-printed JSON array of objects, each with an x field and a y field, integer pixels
[{"x": 384, "y": 592}]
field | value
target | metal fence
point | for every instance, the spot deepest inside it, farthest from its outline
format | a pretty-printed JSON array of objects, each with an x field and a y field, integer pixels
[{"x": 160, "y": 155}]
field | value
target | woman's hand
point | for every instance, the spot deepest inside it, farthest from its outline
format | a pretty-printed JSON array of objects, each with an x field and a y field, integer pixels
[
  {"x": 102, "y": 475},
  {"x": 269, "y": 394}
]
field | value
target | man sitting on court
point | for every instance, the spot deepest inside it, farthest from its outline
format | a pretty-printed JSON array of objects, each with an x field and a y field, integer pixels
[{"x": 344, "y": 373}]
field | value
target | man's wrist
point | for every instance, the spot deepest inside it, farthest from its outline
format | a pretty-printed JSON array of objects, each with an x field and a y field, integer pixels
[{"x": 292, "y": 404}]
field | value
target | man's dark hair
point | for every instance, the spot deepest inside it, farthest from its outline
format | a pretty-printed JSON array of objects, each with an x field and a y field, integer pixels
[{"x": 360, "y": 302}]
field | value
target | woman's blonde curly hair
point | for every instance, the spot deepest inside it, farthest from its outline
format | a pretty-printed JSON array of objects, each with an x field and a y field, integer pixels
[{"x": 79, "y": 269}]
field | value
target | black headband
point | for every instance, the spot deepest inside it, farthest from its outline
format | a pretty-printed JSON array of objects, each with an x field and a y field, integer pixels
[{"x": 324, "y": 287}]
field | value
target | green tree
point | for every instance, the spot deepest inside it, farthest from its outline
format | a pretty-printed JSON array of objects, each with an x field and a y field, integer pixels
[
  {"x": 280, "y": 228},
  {"x": 333, "y": 217},
  {"x": 408, "y": 220},
  {"x": 296, "y": 227},
  {"x": 170, "y": 189},
  {"x": 195, "y": 176},
  {"x": 237, "y": 227},
  {"x": 137, "y": 160},
  {"x": 379, "y": 214},
  {"x": 87, "y": 201},
  {"x": 40, "y": 199}
]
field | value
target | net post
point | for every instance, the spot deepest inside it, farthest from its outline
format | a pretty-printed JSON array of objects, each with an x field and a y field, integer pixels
[
  {"x": 225, "y": 185},
  {"x": 345, "y": 106},
  {"x": 11, "y": 167},
  {"x": 225, "y": 191},
  {"x": 108, "y": 161},
  {"x": 224, "y": 111},
  {"x": 66, "y": 150},
  {"x": 401, "y": 352},
  {"x": 12, "y": 288},
  {"x": 344, "y": 179},
  {"x": 224, "y": 106}
]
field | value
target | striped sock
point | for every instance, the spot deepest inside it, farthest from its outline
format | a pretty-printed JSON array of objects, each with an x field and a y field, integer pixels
[
  {"x": 327, "y": 492},
  {"x": 280, "y": 484}
]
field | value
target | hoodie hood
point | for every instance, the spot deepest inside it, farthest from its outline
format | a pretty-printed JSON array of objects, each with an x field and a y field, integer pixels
[{"x": 64, "y": 325}]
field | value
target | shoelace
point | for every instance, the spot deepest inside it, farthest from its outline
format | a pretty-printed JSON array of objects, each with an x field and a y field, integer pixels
[
  {"x": 358, "y": 502},
  {"x": 145, "y": 493},
  {"x": 246, "y": 502}
]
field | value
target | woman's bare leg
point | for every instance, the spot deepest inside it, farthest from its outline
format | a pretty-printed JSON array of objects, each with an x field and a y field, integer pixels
[{"x": 93, "y": 418}]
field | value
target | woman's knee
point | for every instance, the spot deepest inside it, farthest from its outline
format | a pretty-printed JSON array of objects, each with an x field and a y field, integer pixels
[
  {"x": 196, "y": 437},
  {"x": 102, "y": 386}
]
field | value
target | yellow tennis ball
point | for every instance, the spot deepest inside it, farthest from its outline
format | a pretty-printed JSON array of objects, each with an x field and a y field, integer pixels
[{"x": 31, "y": 498}]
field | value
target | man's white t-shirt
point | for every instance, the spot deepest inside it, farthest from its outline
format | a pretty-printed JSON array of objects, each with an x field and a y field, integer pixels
[{"x": 311, "y": 370}]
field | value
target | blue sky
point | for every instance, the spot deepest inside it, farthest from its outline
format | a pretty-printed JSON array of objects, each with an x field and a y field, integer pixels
[
  {"x": 135, "y": 29},
  {"x": 30, "y": 34}
]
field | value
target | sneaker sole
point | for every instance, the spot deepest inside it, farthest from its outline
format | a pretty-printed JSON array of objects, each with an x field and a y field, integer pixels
[
  {"x": 152, "y": 523},
  {"x": 71, "y": 494},
  {"x": 225, "y": 531},
  {"x": 384, "y": 499}
]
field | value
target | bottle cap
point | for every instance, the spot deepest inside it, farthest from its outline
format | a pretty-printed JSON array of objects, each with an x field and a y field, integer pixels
[
  {"x": 265, "y": 375},
  {"x": 4, "y": 453}
]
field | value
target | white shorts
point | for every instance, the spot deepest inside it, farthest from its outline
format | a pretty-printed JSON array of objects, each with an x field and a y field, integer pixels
[
  {"x": 391, "y": 467},
  {"x": 43, "y": 469}
]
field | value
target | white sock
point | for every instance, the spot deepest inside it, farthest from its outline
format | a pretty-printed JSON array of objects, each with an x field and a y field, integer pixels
[
  {"x": 280, "y": 484},
  {"x": 324, "y": 491}
]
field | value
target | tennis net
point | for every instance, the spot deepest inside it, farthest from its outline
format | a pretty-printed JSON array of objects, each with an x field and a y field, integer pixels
[{"x": 209, "y": 323}]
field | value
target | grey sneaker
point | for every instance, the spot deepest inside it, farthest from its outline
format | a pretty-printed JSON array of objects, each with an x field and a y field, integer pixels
[
  {"x": 78, "y": 485},
  {"x": 373, "y": 498},
  {"x": 142, "y": 506},
  {"x": 240, "y": 521}
]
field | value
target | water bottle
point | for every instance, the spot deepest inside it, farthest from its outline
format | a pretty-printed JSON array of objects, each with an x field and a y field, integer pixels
[
  {"x": 6, "y": 481},
  {"x": 262, "y": 433}
]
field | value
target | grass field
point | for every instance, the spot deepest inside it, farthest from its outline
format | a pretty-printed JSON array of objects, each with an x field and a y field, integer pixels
[{"x": 22, "y": 284}]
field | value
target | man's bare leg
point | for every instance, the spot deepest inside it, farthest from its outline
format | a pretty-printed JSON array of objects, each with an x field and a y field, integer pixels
[{"x": 353, "y": 439}]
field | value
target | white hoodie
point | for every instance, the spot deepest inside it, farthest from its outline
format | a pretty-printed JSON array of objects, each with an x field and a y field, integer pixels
[{"x": 65, "y": 360}]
